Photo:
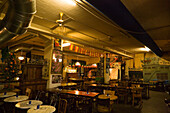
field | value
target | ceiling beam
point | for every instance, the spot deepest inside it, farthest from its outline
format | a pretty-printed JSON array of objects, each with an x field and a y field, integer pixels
[{"x": 38, "y": 29}]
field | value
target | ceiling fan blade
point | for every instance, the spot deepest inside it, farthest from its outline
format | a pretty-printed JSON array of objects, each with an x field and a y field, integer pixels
[
  {"x": 67, "y": 20},
  {"x": 70, "y": 28},
  {"x": 54, "y": 27}
]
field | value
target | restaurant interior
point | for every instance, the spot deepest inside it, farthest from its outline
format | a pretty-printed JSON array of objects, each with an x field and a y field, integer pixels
[{"x": 84, "y": 56}]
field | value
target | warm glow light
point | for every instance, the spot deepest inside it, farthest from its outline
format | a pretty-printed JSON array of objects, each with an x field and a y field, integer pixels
[
  {"x": 65, "y": 44},
  {"x": 147, "y": 49},
  {"x": 71, "y": 2},
  {"x": 55, "y": 59},
  {"x": 78, "y": 0},
  {"x": 77, "y": 64},
  {"x": 17, "y": 78},
  {"x": 21, "y": 58},
  {"x": 144, "y": 49},
  {"x": 60, "y": 60},
  {"x": 76, "y": 92},
  {"x": 95, "y": 65}
]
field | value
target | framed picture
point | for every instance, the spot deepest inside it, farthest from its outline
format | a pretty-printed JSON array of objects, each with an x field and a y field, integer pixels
[
  {"x": 56, "y": 78},
  {"x": 56, "y": 67}
]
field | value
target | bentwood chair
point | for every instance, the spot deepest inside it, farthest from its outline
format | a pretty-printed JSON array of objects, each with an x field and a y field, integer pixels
[
  {"x": 122, "y": 93},
  {"x": 41, "y": 95},
  {"x": 62, "y": 106},
  {"x": 84, "y": 104},
  {"x": 110, "y": 92},
  {"x": 71, "y": 101},
  {"x": 136, "y": 93},
  {"x": 28, "y": 92},
  {"x": 54, "y": 100}
]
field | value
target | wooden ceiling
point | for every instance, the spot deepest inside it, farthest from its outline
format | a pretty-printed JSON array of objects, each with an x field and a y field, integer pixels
[{"x": 90, "y": 28}]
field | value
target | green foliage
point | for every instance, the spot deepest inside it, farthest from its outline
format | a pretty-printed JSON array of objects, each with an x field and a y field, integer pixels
[
  {"x": 10, "y": 70},
  {"x": 99, "y": 79}
]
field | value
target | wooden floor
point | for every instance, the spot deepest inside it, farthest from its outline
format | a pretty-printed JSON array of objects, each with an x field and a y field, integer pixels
[{"x": 155, "y": 104}]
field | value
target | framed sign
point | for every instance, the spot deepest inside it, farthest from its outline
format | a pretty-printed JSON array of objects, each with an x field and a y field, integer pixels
[{"x": 56, "y": 78}]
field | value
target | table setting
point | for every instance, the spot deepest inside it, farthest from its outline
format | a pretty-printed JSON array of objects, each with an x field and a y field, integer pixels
[
  {"x": 28, "y": 104},
  {"x": 7, "y": 94},
  {"x": 42, "y": 109}
]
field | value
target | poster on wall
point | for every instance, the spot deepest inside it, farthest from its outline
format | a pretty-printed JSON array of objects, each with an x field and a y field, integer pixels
[
  {"x": 113, "y": 73},
  {"x": 56, "y": 66},
  {"x": 56, "y": 78}
]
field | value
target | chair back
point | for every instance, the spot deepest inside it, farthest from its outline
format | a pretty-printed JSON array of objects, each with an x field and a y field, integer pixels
[
  {"x": 137, "y": 90},
  {"x": 110, "y": 92},
  {"x": 135, "y": 85},
  {"x": 123, "y": 83},
  {"x": 121, "y": 91},
  {"x": 42, "y": 95},
  {"x": 62, "y": 106},
  {"x": 28, "y": 92},
  {"x": 54, "y": 100}
]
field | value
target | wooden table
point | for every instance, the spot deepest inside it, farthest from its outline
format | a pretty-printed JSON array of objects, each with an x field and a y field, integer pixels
[
  {"x": 145, "y": 86},
  {"x": 105, "y": 96},
  {"x": 58, "y": 91},
  {"x": 8, "y": 94},
  {"x": 26, "y": 105},
  {"x": 12, "y": 90},
  {"x": 68, "y": 84},
  {"x": 11, "y": 101},
  {"x": 83, "y": 93},
  {"x": 42, "y": 109},
  {"x": 16, "y": 99},
  {"x": 101, "y": 87}
]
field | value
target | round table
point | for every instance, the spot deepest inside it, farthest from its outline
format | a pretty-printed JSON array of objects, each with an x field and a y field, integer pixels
[
  {"x": 26, "y": 105},
  {"x": 112, "y": 97},
  {"x": 42, "y": 109},
  {"x": 8, "y": 94},
  {"x": 16, "y": 99}
]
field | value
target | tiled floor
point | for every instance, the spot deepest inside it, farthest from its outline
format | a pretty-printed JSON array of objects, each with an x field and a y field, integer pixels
[{"x": 155, "y": 104}]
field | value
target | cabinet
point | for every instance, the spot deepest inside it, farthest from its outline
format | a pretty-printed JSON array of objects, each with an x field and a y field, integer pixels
[
  {"x": 32, "y": 78},
  {"x": 32, "y": 72}
]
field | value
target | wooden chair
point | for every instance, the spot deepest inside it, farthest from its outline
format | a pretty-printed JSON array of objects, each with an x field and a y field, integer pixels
[
  {"x": 122, "y": 92},
  {"x": 28, "y": 92},
  {"x": 41, "y": 95},
  {"x": 103, "y": 105},
  {"x": 62, "y": 106},
  {"x": 84, "y": 104},
  {"x": 136, "y": 93},
  {"x": 54, "y": 100},
  {"x": 110, "y": 92},
  {"x": 135, "y": 85},
  {"x": 71, "y": 102}
]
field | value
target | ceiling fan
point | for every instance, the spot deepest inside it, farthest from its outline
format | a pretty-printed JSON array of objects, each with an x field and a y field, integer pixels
[{"x": 60, "y": 22}]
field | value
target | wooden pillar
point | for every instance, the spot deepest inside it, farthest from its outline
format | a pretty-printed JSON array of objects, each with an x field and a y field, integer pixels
[{"x": 106, "y": 69}]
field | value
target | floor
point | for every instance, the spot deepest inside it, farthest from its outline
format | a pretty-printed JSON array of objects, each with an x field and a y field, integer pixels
[{"x": 155, "y": 104}]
